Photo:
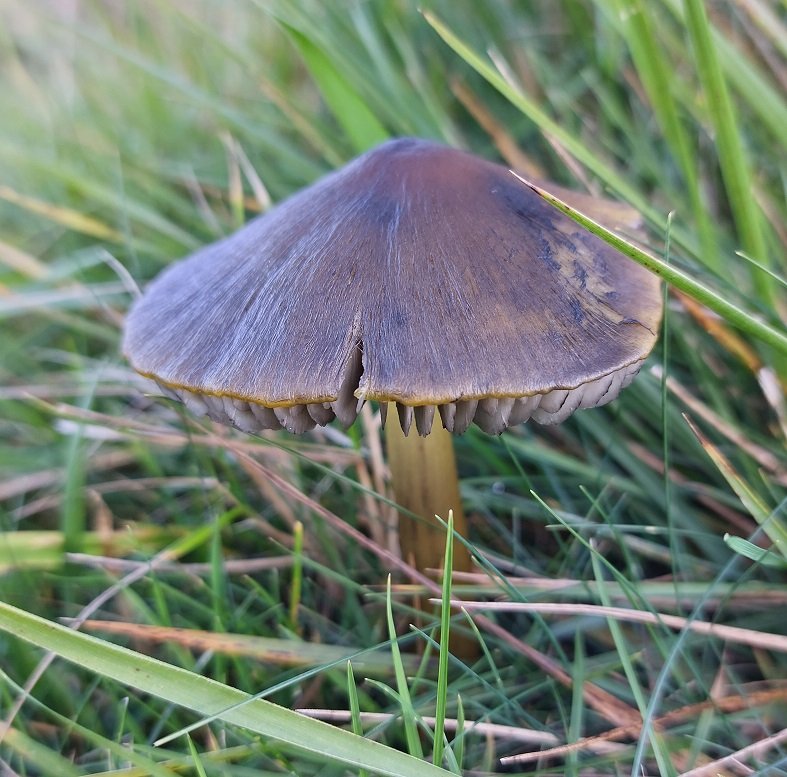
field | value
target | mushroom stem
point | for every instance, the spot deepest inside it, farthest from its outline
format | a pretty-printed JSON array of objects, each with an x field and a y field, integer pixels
[{"x": 425, "y": 482}]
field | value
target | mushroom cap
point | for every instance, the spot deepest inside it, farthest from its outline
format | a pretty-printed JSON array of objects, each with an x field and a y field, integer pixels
[{"x": 417, "y": 274}]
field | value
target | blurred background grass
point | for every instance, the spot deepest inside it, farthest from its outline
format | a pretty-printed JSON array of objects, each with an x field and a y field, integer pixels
[{"x": 133, "y": 132}]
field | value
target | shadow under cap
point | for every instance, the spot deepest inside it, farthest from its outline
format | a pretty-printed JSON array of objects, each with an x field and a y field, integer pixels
[{"x": 417, "y": 274}]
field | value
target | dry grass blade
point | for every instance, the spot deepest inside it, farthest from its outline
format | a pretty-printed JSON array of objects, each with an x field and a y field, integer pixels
[
  {"x": 139, "y": 485},
  {"x": 761, "y": 455},
  {"x": 232, "y": 566},
  {"x": 497, "y": 731},
  {"x": 170, "y": 436},
  {"x": 757, "y": 639},
  {"x": 262, "y": 199},
  {"x": 665, "y": 594},
  {"x": 58, "y": 391},
  {"x": 714, "y": 325},
  {"x": 755, "y": 750},
  {"x": 381, "y": 520},
  {"x": 22, "y": 484},
  {"x": 65, "y": 217},
  {"x": 22, "y": 262},
  {"x": 74, "y": 296},
  {"x": 42, "y": 549},
  {"x": 726, "y": 704},
  {"x": 505, "y": 143},
  {"x": 283, "y": 652}
]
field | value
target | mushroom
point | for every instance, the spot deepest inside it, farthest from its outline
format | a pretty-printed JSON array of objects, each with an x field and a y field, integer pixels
[{"x": 422, "y": 278}]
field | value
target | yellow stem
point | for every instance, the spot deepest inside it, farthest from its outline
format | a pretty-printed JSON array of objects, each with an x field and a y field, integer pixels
[{"x": 425, "y": 482}]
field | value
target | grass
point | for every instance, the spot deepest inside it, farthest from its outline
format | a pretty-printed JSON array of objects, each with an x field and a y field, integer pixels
[{"x": 155, "y": 570}]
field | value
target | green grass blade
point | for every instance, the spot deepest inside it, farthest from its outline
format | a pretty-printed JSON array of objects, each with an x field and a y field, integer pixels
[
  {"x": 358, "y": 122},
  {"x": 46, "y": 549},
  {"x": 408, "y": 712},
  {"x": 627, "y": 664},
  {"x": 767, "y": 103},
  {"x": 458, "y": 745},
  {"x": 43, "y": 760},
  {"x": 775, "y": 277},
  {"x": 577, "y": 717},
  {"x": 657, "y": 78},
  {"x": 200, "y": 769},
  {"x": 732, "y": 156},
  {"x": 445, "y": 626},
  {"x": 355, "y": 707},
  {"x": 208, "y": 697},
  {"x": 765, "y": 556}
]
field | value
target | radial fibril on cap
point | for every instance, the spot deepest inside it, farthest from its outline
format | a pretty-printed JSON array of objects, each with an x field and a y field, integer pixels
[{"x": 417, "y": 274}]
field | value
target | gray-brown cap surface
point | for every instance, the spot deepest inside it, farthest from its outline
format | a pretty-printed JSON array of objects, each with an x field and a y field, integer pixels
[{"x": 417, "y": 274}]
